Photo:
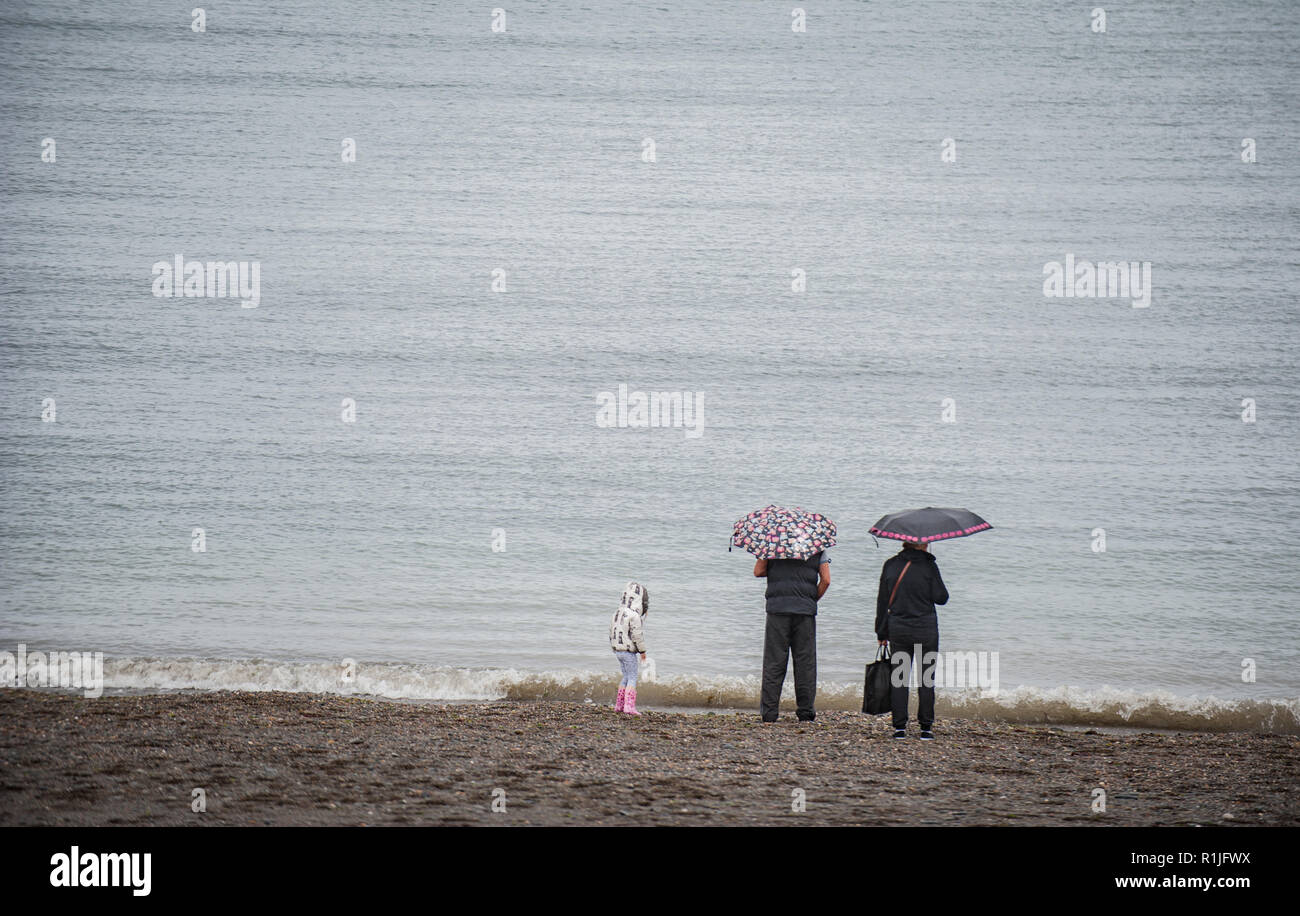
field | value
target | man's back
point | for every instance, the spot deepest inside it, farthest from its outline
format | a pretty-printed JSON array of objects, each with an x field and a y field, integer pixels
[{"x": 792, "y": 585}]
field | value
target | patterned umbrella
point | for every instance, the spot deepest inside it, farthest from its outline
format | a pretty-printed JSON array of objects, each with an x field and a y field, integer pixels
[
  {"x": 775, "y": 533},
  {"x": 921, "y": 526}
]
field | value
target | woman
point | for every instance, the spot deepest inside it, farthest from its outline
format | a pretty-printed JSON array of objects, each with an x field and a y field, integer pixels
[{"x": 910, "y": 587}]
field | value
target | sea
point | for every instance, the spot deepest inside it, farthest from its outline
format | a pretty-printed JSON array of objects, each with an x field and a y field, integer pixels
[{"x": 382, "y": 459}]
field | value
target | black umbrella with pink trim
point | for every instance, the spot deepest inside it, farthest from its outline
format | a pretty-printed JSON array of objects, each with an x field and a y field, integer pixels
[{"x": 922, "y": 526}]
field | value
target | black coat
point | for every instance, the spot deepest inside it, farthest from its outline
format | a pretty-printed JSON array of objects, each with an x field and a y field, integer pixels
[{"x": 922, "y": 588}]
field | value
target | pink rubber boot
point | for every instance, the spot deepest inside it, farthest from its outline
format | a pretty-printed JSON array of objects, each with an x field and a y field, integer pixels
[
  {"x": 622, "y": 695},
  {"x": 629, "y": 702}
]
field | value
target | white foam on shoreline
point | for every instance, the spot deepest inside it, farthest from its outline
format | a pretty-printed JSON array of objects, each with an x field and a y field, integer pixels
[{"x": 1101, "y": 707}]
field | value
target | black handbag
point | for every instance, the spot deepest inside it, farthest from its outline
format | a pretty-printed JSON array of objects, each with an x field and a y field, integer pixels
[{"x": 877, "y": 697}]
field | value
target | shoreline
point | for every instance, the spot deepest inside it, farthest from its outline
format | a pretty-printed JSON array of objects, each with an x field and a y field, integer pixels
[
  {"x": 316, "y": 759},
  {"x": 945, "y": 708},
  {"x": 1097, "y": 706},
  {"x": 787, "y": 711}
]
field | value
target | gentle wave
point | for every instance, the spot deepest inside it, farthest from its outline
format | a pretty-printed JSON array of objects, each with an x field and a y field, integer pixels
[{"x": 1104, "y": 707}]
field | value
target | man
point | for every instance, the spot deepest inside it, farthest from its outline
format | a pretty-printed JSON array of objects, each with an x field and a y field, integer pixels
[{"x": 793, "y": 589}]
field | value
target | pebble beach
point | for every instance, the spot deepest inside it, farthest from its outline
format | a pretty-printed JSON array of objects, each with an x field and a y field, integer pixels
[{"x": 306, "y": 759}]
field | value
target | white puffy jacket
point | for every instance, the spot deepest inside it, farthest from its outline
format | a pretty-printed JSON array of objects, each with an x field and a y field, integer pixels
[{"x": 625, "y": 633}]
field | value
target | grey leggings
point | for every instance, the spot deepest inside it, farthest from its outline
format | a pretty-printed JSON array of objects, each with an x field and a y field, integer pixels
[{"x": 627, "y": 661}]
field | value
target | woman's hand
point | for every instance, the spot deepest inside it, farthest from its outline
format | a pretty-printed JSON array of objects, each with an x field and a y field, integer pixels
[
  {"x": 642, "y": 656},
  {"x": 883, "y": 642}
]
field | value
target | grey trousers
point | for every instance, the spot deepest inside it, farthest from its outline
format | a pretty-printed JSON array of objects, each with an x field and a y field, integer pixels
[{"x": 789, "y": 635}]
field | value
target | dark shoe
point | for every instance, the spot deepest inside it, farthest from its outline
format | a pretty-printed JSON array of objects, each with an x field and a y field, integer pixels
[
  {"x": 900, "y": 733},
  {"x": 811, "y": 718},
  {"x": 927, "y": 735}
]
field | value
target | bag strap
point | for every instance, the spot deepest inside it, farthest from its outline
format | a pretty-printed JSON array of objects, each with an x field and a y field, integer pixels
[{"x": 894, "y": 593}]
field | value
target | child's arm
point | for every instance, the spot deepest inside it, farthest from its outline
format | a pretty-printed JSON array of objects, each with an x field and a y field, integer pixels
[{"x": 634, "y": 630}]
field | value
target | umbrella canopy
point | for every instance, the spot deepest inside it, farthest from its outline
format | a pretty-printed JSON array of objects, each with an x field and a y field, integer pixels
[
  {"x": 777, "y": 533},
  {"x": 921, "y": 526}
]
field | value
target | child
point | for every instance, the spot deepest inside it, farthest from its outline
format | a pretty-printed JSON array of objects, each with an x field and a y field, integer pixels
[{"x": 626, "y": 639}]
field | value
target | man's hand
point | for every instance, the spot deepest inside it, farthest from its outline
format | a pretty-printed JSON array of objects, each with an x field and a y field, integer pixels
[
  {"x": 883, "y": 642},
  {"x": 642, "y": 656}
]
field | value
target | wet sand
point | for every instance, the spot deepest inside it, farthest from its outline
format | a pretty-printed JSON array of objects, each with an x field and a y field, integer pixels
[{"x": 305, "y": 759}]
